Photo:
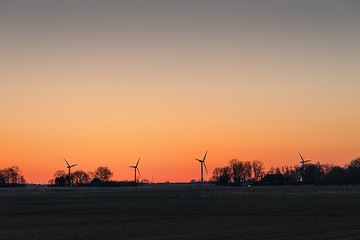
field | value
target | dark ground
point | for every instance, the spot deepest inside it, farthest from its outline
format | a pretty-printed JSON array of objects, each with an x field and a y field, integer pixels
[{"x": 181, "y": 212}]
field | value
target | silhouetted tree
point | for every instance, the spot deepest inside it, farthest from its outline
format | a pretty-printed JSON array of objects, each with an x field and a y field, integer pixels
[
  {"x": 221, "y": 176},
  {"x": 258, "y": 170},
  {"x": 274, "y": 170},
  {"x": 95, "y": 182},
  {"x": 355, "y": 163},
  {"x": 80, "y": 177},
  {"x": 12, "y": 176},
  {"x": 312, "y": 173},
  {"x": 60, "y": 179},
  {"x": 60, "y": 173},
  {"x": 237, "y": 170},
  {"x": 2, "y": 178},
  {"x": 291, "y": 174},
  {"x": 91, "y": 175},
  {"x": 353, "y": 170},
  {"x": 336, "y": 175},
  {"x": 247, "y": 171},
  {"x": 103, "y": 173},
  {"x": 240, "y": 171}
]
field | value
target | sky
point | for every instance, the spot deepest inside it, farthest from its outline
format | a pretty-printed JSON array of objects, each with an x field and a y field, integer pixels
[{"x": 102, "y": 83}]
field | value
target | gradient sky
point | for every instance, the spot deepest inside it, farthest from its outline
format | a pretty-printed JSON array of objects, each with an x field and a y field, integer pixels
[{"x": 104, "y": 82}]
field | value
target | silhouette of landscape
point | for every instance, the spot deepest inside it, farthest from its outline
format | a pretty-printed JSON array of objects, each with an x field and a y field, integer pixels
[
  {"x": 241, "y": 201},
  {"x": 237, "y": 173}
]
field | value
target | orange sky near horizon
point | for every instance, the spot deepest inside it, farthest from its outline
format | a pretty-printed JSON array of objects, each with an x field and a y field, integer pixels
[{"x": 104, "y": 84}]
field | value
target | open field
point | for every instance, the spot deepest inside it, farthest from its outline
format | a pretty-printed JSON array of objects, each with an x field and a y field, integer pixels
[{"x": 181, "y": 212}]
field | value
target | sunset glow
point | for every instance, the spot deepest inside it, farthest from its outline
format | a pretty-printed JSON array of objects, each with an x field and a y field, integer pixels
[{"x": 102, "y": 83}]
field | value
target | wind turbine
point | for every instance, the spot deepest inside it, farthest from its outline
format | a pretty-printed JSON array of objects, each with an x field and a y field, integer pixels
[
  {"x": 69, "y": 167},
  {"x": 136, "y": 169},
  {"x": 302, "y": 165},
  {"x": 303, "y": 161},
  {"x": 202, "y": 162}
]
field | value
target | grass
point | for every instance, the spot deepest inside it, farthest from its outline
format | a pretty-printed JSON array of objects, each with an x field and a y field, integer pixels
[{"x": 181, "y": 212}]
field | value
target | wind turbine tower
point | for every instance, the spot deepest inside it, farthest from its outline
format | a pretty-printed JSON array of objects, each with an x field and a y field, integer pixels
[
  {"x": 69, "y": 167},
  {"x": 136, "y": 169},
  {"x": 202, "y": 162},
  {"x": 302, "y": 165}
]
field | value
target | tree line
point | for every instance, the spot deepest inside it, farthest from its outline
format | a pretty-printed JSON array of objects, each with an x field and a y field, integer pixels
[
  {"x": 244, "y": 173},
  {"x": 236, "y": 173},
  {"x": 81, "y": 178},
  {"x": 11, "y": 177}
]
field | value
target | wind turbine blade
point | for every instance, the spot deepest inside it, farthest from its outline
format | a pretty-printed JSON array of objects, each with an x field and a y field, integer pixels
[
  {"x": 73, "y": 165},
  {"x": 138, "y": 171},
  {"x": 132, "y": 166},
  {"x": 307, "y": 161},
  {"x": 205, "y": 169},
  {"x": 137, "y": 162},
  {"x": 205, "y": 156},
  {"x": 301, "y": 156},
  {"x": 67, "y": 162},
  {"x": 198, "y": 160}
]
